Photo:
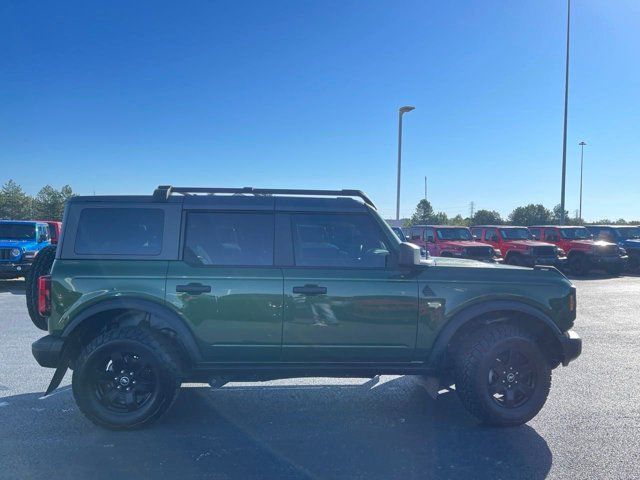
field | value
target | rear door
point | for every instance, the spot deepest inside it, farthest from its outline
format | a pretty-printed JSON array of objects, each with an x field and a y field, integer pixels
[
  {"x": 226, "y": 285},
  {"x": 346, "y": 300}
]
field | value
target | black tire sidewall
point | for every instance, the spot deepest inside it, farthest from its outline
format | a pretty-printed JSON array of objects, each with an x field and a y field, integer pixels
[
  {"x": 90, "y": 405},
  {"x": 497, "y": 414},
  {"x": 40, "y": 266},
  {"x": 578, "y": 265}
]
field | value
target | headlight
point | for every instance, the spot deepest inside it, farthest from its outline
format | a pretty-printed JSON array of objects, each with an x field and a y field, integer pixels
[{"x": 15, "y": 252}]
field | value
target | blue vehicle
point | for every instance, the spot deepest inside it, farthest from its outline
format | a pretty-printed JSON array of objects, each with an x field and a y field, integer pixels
[
  {"x": 20, "y": 242},
  {"x": 626, "y": 236}
]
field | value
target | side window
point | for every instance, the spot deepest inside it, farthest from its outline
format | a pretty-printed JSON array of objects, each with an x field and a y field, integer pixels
[
  {"x": 535, "y": 232},
  {"x": 429, "y": 235},
  {"x": 239, "y": 239},
  {"x": 120, "y": 231},
  {"x": 416, "y": 233},
  {"x": 337, "y": 240},
  {"x": 477, "y": 233}
]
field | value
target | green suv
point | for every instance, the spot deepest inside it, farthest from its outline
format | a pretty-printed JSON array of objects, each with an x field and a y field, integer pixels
[{"x": 223, "y": 284}]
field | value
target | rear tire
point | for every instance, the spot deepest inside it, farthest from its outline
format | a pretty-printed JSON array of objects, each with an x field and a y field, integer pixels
[
  {"x": 126, "y": 378},
  {"x": 502, "y": 377},
  {"x": 40, "y": 266},
  {"x": 579, "y": 265}
]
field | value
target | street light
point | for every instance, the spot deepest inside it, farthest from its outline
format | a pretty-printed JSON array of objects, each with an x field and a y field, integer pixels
[
  {"x": 582, "y": 144},
  {"x": 401, "y": 112},
  {"x": 566, "y": 103}
]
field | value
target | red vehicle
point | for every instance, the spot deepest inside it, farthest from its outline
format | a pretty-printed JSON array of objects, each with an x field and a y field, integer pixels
[
  {"x": 54, "y": 230},
  {"x": 583, "y": 253},
  {"x": 451, "y": 241},
  {"x": 518, "y": 246}
]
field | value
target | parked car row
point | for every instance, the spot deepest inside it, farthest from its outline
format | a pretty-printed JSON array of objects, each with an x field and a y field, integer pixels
[
  {"x": 21, "y": 241},
  {"x": 575, "y": 248}
]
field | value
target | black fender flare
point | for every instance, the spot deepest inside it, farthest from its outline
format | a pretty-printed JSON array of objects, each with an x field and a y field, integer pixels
[
  {"x": 469, "y": 314},
  {"x": 161, "y": 317}
]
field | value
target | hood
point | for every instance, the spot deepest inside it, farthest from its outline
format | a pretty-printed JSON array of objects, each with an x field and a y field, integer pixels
[
  {"x": 530, "y": 243},
  {"x": 24, "y": 244},
  {"x": 466, "y": 243},
  {"x": 466, "y": 263},
  {"x": 631, "y": 243}
]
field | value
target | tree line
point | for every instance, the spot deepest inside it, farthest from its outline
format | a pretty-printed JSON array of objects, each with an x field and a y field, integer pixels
[
  {"x": 47, "y": 204},
  {"x": 531, "y": 214}
]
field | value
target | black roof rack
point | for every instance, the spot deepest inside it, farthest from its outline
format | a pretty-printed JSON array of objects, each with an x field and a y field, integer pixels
[{"x": 163, "y": 192}]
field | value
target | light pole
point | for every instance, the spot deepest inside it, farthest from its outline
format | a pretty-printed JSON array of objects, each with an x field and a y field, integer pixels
[
  {"x": 566, "y": 104},
  {"x": 582, "y": 144},
  {"x": 401, "y": 112}
]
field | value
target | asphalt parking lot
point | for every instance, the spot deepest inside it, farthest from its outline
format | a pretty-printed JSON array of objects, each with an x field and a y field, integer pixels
[{"x": 327, "y": 428}]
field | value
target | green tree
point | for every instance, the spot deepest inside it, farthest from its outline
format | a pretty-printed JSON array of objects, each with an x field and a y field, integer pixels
[
  {"x": 439, "y": 218},
  {"x": 423, "y": 213},
  {"x": 530, "y": 215},
  {"x": 487, "y": 217},
  {"x": 556, "y": 215},
  {"x": 49, "y": 202},
  {"x": 15, "y": 204},
  {"x": 458, "y": 220}
]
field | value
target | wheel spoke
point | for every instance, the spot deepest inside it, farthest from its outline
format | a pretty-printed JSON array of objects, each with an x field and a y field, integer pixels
[
  {"x": 109, "y": 397},
  {"x": 509, "y": 397},
  {"x": 130, "y": 400},
  {"x": 144, "y": 386}
]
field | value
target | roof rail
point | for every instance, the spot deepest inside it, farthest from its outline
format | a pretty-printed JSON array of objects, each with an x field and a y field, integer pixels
[{"x": 163, "y": 192}]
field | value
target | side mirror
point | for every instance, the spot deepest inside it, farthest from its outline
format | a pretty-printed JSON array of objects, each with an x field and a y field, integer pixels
[
  {"x": 409, "y": 255},
  {"x": 475, "y": 238},
  {"x": 42, "y": 238},
  {"x": 535, "y": 237}
]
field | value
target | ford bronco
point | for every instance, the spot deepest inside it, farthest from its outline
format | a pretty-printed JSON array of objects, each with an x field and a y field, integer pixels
[{"x": 225, "y": 284}]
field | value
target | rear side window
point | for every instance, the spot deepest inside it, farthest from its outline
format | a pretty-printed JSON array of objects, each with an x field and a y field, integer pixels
[
  {"x": 232, "y": 239},
  {"x": 338, "y": 240},
  {"x": 120, "y": 231}
]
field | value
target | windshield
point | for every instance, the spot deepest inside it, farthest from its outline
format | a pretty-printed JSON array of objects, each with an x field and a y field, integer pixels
[
  {"x": 454, "y": 234},
  {"x": 400, "y": 234},
  {"x": 575, "y": 233},
  {"x": 628, "y": 232},
  {"x": 515, "y": 234},
  {"x": 17, "y": 231}
]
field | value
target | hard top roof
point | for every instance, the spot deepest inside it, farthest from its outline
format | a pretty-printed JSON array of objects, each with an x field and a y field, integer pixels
[
  {"x": 245, "y": 198},
  {"x": 2, "y": 220}
]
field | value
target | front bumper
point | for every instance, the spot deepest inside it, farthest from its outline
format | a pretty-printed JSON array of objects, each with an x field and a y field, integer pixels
[
  {"x": 14, "y": 269},
  {"x": 48, "y": 350},
  {"x": 571, "y": 345},
  {"x": 608, "y": 261},
  {"x": 558, "y": 262}
]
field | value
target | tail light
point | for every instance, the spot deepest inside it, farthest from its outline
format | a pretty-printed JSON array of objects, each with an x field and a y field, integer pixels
[{"x": 44, "y": 295}]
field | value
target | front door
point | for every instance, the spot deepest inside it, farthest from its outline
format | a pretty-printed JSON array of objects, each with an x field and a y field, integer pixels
[
  {"x": 227, "y": 287},
  {"x": 345, "y": 301}
]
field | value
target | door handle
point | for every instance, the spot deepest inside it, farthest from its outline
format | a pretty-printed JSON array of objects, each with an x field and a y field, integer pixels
[
  {"x": 193, "y": 288},
  {"x": 310, "y": 290}
]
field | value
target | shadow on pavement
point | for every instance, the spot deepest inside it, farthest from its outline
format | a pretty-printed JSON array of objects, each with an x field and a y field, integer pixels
[
  {"x": 385, "y": 431},
  {"x": 12, "y": 286}
]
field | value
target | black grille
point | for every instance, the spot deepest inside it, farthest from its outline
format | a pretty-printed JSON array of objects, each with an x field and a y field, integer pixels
[
  {"x": 5, "y": 253},
  {"x": 608, "y": 250},
  {"x": 547, "y": 251},
  {"x": 479, "y": 251}
]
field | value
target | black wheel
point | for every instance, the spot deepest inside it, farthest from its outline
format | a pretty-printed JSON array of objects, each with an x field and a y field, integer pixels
[
  {"x": 579, "y": 265},
  {"x": 126, "y": 378},
  {"x": 41, "y": 266},
  {"x": 515, "y": 259},
  {"x": 502, "y": 377}
]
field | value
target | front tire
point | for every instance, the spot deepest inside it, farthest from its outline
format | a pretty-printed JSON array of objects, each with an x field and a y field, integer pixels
[
  {"x": 501, "y": 375},
  {"x": 126, "y": 378},
  {"x": 579, "y": 265}
]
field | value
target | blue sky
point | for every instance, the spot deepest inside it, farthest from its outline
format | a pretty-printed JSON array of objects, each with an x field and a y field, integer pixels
[{"x": 117, "y": 97}]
